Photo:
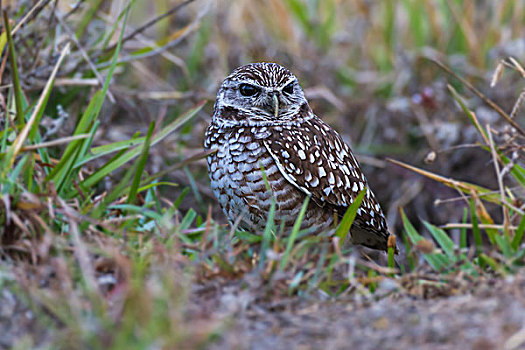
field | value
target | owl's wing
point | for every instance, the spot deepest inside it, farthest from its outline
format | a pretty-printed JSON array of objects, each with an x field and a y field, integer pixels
[{"x": 315, "y": 159}]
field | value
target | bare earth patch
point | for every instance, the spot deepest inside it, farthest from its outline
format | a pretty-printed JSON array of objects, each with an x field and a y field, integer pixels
[
  {"x": 491, "y": 316},
  {"x": 236, "y": 315}
]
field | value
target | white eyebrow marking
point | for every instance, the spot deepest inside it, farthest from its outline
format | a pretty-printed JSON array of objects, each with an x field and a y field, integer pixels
[{"x": 291, "y": 80}]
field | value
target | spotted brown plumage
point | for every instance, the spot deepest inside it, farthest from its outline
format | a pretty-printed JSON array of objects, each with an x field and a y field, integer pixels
[{"x": 262, "y": 120}]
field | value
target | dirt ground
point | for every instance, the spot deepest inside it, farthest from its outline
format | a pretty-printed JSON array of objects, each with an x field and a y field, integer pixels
[
  {"x": 480, "y": 315},
  {"x": 490, "y": 316}
]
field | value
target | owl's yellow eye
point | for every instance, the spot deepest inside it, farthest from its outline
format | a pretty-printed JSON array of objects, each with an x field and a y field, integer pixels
[
  {"x": 288, "y": 88},
  {"x": 247, "y": 90}
]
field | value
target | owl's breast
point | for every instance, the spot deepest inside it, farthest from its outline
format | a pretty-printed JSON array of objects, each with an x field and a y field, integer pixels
[
  {"x": 236, "y": 174},
  {"x": 245, "y": 179}
]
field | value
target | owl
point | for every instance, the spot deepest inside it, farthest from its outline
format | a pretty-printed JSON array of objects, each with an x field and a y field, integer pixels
[{"x": 270, "y": 146}]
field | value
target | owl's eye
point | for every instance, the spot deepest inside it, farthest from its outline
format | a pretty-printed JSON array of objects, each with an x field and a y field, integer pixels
[
  {"x": 247, "y": 90},
  {"x": 288, "y": 88}
]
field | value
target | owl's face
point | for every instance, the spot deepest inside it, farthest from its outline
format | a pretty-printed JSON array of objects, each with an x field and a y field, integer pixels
[{"x": 259, "y": 93}]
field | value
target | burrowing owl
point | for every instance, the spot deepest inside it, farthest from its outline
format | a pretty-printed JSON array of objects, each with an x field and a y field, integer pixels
[{"x": 262, "y": 120}]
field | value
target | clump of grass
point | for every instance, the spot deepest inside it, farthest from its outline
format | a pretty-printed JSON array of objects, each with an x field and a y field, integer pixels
[
  {"x": 115, "y": 279},
  {"x": 496, "y": 248}
]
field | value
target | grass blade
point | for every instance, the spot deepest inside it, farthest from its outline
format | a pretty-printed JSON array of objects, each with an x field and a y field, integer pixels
[
  {"x": 141, "y": 164},
  {"x": 14, "y": 68},
  {"x": 466, "y": 187},
  {"x": 134, "y": 152},
  {"x": 463, "y": 231},
  {"x": 20, "y": 139},
  {"x": 97, "y": 152},
  {"x": 293, "y": 235},
  {"x": 270, "y": 223},
  {"x": 487, "y": 260},
  {"x": 187, "y": 220},
  {"x": 391, "y": 261},
  {"x": 471, "y": 116},
  {"x": 267, "y": 234},
  {"x": 475, "y": 227},
  {"x": 57, "y": 174},
  {"x": 348, "y": 219},
  {"x": 438, "y": 261},
  {"x": 443, "y": 240},
  {"x": 518, "y": 235},
  {"x": 504, "y": 245}
]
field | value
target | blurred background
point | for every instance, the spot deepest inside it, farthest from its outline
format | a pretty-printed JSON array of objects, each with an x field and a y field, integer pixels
[{"x": 366, "y": 67}]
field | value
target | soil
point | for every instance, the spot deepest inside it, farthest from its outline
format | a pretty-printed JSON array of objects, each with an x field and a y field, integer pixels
[
  {"x": 481, "y": 315},
  {"x": 491, "y": 316}
]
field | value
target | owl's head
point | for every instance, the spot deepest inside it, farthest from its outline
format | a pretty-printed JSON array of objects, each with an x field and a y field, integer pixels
[{"x": 260, "y": 93}]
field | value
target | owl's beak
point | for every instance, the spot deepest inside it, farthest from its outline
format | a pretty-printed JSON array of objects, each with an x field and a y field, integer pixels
[{"x": 276, "y": 105}]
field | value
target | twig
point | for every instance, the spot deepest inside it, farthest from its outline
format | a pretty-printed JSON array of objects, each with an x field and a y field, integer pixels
[
  {"x": 372, "y": 161},
  {"x": 156, "y": 51},
  {"x": 480, "y": 195},
  {"x": 480, "y": 95},
  {"x": 517, "y": 66},
  {"x": 495, "y": 160},
  {"x": 158, "y": 95},
  {"x": 73, "y": 37},
  {"x": 61, "y": 82},
  {"x": 119, "y": 219},
  {"x": 485, "y": 226},
  {"x": 183, "y": 163},
  {"x": 515, "y": 341},
  {"x": 497, "y": 74},
  {"x": 179, "y": 62},
  {"x": 148, "y": 24},
  {"x": 458, "y": 185},
  {"x": 453, "y": 148},
  {"x": 30, "y": 15},
  {"x": 6, "y": 200},
  {"x": 55, "y": 142},
  {"x": 76, "y": 82},
  {"x": 518, "y": 104},
  {"x": 74, "y": 9}
]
